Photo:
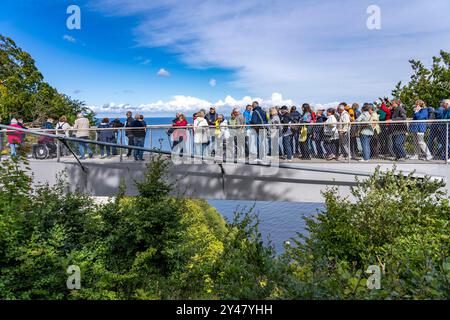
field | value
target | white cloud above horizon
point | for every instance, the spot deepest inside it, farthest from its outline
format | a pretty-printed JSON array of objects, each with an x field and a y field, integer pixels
[
  {"x": 189, "y": 105},
  {"x": 163, "y": 73},
  {"x": 319, "y": 50}
]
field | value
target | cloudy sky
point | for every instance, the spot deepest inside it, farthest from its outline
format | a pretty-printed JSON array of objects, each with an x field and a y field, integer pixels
[{"x": 162, "y": 56}]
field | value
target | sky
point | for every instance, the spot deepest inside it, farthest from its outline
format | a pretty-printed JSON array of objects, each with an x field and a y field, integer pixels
[{"x": 163, "y": 56}]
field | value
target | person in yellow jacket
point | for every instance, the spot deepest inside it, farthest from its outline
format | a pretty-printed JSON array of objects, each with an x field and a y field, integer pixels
[{"x": 351, "y": 112}]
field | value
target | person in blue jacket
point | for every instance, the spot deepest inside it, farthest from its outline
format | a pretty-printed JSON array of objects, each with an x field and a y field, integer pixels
[
  {"x": 105, "y": 134},
  {"x": 437, "y": 136},
  {"x": 259, "y": 118},
  {"x": 418, "y": 130},
  {"x": 446, "y": 116}
]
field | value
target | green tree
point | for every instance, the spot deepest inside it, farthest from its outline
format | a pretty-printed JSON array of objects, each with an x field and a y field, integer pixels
[
  {"x": 24, "y": 93},
  {"x": 431, "y": 85}
]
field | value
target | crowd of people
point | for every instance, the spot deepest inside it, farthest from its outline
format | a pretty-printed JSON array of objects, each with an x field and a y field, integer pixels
[
  {"x": 370, "y": 131},
  {"x": 107, "y": 131}
]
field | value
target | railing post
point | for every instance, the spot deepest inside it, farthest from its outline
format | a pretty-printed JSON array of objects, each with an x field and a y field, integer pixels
[
  {"x": 446, "y": 144},
  {"x": 58, "y": 149},
  {"x": 122, "y": 132},
  {"x": 349, "y": 137},
  {"x": 151, "y": 138}
]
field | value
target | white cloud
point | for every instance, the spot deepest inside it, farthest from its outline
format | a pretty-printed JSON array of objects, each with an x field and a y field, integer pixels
[
  {"x": 189, "y": 105},
  {"x": 163, "y": 73},
  {"x": 310, "y": 50},
  {"x": 213, "y": 83},
  {"x": 69, "y": 38}
]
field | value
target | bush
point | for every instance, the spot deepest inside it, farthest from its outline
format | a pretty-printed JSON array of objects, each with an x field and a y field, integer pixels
[{"x": 397, "y": 222}]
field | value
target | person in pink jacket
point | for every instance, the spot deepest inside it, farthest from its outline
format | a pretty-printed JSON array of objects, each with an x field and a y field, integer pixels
[{"x": 14, "y": 138}]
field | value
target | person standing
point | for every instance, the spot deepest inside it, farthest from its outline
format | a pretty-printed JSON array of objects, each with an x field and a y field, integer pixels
[
  {"x": 81, "y": 128},
  {"x": 259, "y": 119},
  {"x": 129, "y": 132},
  {"x": 331, "y": 135},
  {"x": 418, "y": 130},
  {"x": 286, "y": 133},
  {"x": 305, "y": 132},
  {"x": 446, "y": 131},
  {"x": 63, "y": 127},
  {"x": 223, "y": 135},
  {"x": 366, "y": 131},
  {"x": 139, "y": 127},
  {"x": 201, "y": 134},
  {"x": 344, "y": 131},
  {"x": 318, "y": 133},
  {"x": 375, "y": 143},
  {"x": 398, "y": 130},
  {"x": 179, "y": 134},
  {"x": 117, "y": 124},
  {"x": 14, "y": 138},
  {"x": 296, "y": 119},
  {"x": 105, "y": 134},
  {"x": 237, "y": 126},
  {"x": 274, "y": 133}
]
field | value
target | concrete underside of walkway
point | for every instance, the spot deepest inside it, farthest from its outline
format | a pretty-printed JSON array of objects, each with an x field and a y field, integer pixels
[{"x": 295, "y": 182}]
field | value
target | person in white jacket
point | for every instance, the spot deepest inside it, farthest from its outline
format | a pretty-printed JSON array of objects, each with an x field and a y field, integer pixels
[
  {"x": 201, "y": 134},
  {"x": 331, "y": 134},
  {"x": 223, "y": 136}
]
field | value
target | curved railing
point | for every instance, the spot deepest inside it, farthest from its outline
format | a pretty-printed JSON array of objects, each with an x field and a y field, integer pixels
[{"x": 425, "y": 141}]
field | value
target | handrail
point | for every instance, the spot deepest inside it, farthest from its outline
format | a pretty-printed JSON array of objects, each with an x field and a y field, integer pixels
[{"x": 169, "y": 126}]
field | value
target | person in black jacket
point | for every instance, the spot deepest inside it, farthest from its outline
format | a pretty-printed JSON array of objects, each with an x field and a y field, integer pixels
[
  {"x": 398, "y": 130},
  {"x": 296, "y": 118},
  {"x": 129, "y": 133},
  {"x": 117, "y": 125},
  {"x": 286, "y": 133},
  {"x": 139, "y": 132}
]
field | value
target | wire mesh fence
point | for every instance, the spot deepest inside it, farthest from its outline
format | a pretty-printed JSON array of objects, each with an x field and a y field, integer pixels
[{"x": 413, "y": 141}]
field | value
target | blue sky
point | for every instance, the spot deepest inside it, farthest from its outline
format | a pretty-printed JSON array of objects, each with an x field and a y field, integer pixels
[{"x": 275, "y": 51}]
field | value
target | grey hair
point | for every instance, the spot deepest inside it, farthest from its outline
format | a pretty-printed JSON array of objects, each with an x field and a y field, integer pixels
[{"x": 446, "y": 101}]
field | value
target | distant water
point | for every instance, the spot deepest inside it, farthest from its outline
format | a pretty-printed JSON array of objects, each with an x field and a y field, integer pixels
[{"x": 279, "y": 221}]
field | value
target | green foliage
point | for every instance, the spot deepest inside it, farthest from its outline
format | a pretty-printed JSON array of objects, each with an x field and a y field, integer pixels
[
  {"x": 24, "y": 93},
  {"x": 159, "y": 246},
  {"x": 397, "y": 222},
  {"x": 431, "y": 85},
  {"x": 153, "y": 246}
]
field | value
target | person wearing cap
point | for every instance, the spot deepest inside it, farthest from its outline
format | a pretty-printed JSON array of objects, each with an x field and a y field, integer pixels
[{"x": 211, "y": 117}]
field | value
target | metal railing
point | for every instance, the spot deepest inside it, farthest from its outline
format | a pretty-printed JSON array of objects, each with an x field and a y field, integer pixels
[{"x": 378, "y": 142}]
